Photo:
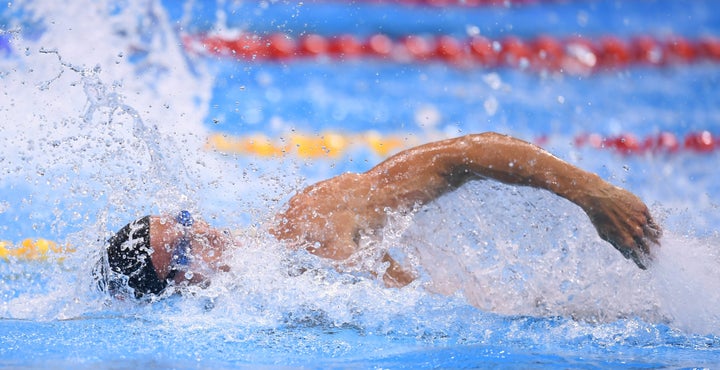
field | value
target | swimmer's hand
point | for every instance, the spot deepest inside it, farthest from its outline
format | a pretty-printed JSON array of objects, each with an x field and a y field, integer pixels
[{"x": 624, "y": 221}]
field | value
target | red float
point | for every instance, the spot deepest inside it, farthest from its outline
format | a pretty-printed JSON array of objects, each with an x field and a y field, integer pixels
[
  {"x": 313, "y": 45},
  {"x": 247, "y": 46},
  {"x": 515, "y": 53},
  {"x": 626, "y": 144},
  {"x": 580, "y": 56},
  {"x": 483, "y": 51},
  {"x": 710, "y": 48},
  {"x": 680, "y": 50},
  {"x": 613, "y": 53},
  {"x": 280, "y": 46},
  {"x": 647, "y": 50},
  {"x": 345, "y": 47},
  {"x": 548, "y": 53},
  {"x": 417, "y": 47},
  {"x": 702, "y": 142},
  {"x": 449, "y": 49},
  {"x": 663, "y": 142},
  {"x": 379, "y": 45}
]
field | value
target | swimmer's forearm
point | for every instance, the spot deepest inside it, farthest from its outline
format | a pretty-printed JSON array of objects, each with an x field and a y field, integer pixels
[
  {"x": 514, "y": 161},
  {"x": 423, "y": 173}
]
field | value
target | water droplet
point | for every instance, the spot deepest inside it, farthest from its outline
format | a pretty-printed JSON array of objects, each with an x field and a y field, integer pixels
[{"x": 491, "y": 105}]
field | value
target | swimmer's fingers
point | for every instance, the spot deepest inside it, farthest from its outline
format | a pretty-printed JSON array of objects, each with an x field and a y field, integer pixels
[
  {"x": 652, "y": 231},
  {"x": 641, "y": 254},
  {"x": 648, "y": 234},
  {"x": 641, "y": 260},
  {"x": 645, "y": 237},
  {"x": 634, "y": 241},
  {"x": 633, "y": 249}
]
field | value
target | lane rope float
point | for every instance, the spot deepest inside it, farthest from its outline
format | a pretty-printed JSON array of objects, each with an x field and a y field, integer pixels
[{"x": 575, "y": 55}]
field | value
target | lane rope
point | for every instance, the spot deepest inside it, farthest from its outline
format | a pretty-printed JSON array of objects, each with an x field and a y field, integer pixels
[
  {"x": 32, "y": 250},
  {"x": 334, "y": 145},
  {"x": 575, "y": 55}
]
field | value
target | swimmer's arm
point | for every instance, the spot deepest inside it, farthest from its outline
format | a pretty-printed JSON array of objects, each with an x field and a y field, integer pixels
[{"x": 421, "y": 174}]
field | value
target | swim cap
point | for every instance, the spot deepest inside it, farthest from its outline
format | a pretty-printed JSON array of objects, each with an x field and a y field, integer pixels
[{"x": 128, "y": 259}]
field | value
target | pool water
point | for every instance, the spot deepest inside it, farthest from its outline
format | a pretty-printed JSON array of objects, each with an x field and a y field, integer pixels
[{"x": 109, "y": 114}]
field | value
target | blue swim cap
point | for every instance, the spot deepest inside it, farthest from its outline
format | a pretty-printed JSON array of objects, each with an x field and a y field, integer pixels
[{"x": 185, "y": 218}]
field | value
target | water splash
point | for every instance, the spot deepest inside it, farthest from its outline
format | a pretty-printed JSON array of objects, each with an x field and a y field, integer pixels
[
  {"x": 686, "y": 280},
  {"x": 522, "y": 251}
]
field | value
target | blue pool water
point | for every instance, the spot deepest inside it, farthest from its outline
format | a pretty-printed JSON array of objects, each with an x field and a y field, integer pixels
[{"x": 106, "y": 116}]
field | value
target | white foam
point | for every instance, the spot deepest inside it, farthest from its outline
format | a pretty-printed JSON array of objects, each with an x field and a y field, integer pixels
[{"x": 686, "y": 279}]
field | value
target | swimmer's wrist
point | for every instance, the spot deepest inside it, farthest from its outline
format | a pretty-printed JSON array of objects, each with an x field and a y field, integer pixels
[{"x": 585, "y": 189}]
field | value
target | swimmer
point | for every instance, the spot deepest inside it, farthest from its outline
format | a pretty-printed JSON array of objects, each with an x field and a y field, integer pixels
[{"x": 328, "y": 218}]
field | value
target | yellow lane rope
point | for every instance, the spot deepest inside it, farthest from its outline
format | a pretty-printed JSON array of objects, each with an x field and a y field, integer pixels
[
  {"x": 31, "y": 250},
  {"x": 327, "y": 144}
]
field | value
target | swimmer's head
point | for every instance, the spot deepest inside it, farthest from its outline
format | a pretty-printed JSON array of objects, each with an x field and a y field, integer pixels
[{"x": 127, "y": 262}]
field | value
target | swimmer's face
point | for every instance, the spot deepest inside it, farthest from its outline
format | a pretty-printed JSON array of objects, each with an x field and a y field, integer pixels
[
  {"x": 208, "y": 249},
  {"x": 201, "y": 256}
]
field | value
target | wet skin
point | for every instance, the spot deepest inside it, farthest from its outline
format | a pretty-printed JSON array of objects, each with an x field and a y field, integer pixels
[{"x": 328, "y": 218}]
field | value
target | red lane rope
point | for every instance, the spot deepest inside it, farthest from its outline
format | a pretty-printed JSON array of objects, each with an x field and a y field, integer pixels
[
  {"x": 544, "y": 53},
  {"x": 663, "y": 142}
]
